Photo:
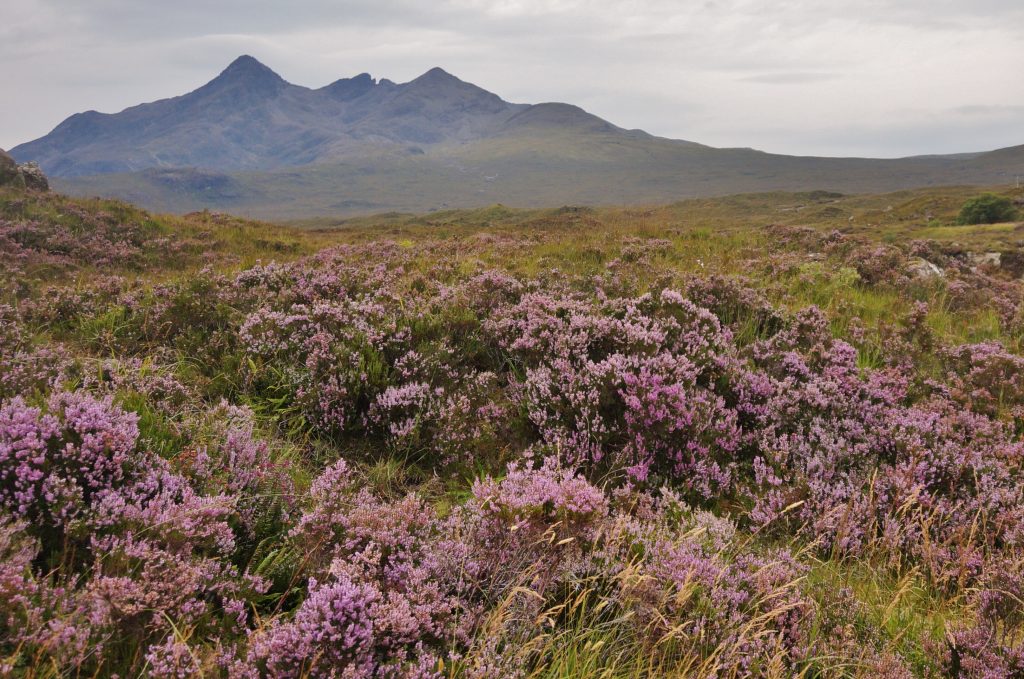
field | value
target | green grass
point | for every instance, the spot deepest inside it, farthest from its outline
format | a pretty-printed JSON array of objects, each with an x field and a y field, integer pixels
[{"x": 895, "y": 613}]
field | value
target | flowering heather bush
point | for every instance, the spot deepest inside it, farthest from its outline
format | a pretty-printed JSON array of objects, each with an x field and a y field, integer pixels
[
  {"x": 535, "y": 527},
  {"x": 993, "y": 645},
  {"x": 512, "y": 454},
  {"x": 54, "y": 236},
  {"x": 159, "y": 548},
  {"x": 21, "y": 605},
  {"x": 400, "y": 579},
  {"x": 333, "y": 630},
  {"x": 234, "y": 462},
  {"x": 704, "y": 599},
  {"x": 986, "y": 378},
  {"x": 25, "y": 367},
  {"x": 402, "y": 547},
  {"x": 55, "y": 466},
  {"x": 41, "y": 244}
]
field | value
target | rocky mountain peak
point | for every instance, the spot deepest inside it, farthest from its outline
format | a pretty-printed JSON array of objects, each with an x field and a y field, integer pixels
[{"x": 247, "y": 72}]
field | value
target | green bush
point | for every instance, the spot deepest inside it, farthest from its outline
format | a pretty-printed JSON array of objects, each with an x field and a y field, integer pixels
[{"x": 988, "y": 208}]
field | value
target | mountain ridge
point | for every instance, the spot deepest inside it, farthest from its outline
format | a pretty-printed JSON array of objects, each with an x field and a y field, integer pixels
[
  {"x": 250, "y": 141},
  {"x": 250, "y": 118}
]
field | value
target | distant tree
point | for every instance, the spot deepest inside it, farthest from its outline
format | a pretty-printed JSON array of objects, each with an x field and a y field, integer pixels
[{"x": 988, "y": 208}]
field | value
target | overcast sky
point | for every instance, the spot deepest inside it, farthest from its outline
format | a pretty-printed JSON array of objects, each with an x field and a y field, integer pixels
[{"x": 820, "y": 77}]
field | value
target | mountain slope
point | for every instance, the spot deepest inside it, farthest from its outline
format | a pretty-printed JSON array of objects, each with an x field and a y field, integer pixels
[
  {"x": 540, "y": 171},
  {"x": 250, "y": 142}
]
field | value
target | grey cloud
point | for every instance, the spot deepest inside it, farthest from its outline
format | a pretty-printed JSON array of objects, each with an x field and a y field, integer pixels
[
  {"x": 792, "y": 78},
  {"x": 977, "y": 110},
  {"x": 692, "y": 69}
]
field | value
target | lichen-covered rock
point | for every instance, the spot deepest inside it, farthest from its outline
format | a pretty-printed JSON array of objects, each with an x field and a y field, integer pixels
[
  {"x": 922, "y": 268},
  {"x": 27, "y": 175},
  {"x": 33, "y": 177}
]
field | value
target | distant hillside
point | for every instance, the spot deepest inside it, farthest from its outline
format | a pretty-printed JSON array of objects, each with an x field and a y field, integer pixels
[{"x": 250, "y": 142}]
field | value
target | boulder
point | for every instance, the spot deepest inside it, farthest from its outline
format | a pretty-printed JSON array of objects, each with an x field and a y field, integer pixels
[
  {"x": 9, "y": 173},
  {"x": 34, "y": 177},
  {"x": 985, "y": 259},
  {"x": 922, "y": 268},
  {"x": 25, "y": 176}
]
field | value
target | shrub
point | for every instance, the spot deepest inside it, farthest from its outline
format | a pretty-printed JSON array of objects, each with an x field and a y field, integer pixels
[{"x": 987, "y": 208}]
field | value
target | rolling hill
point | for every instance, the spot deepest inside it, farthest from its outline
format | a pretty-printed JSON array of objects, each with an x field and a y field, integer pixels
[{"x": 252, "y": 143}]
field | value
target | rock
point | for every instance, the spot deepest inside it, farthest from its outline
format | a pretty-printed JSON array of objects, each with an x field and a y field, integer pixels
[
  {"x": 922, "y": 268},
  {"x": 28, "y": 175},
  {"x": 984, "y": 259},
  {"x": 34, "y": 177},
  {"x": 9, "y": 173}
]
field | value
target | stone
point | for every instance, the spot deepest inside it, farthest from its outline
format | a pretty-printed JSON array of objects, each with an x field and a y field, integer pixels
[
  {"x": 9, "y": 173},
  {"x": 33, "y": 177},
  {"x": 985, "y": 259},
  {"x": 27, "y": 175},
  {"x": 922, "y": 268}
]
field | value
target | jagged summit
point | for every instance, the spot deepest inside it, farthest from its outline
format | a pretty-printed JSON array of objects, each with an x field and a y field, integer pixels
[
  {"x": 247, "y": 73},
  {"x": 350, "y": 88},
  {"x": 250, "y": 118},
  {"x": 247, "y": 65},
  {"x": 439, "y": 79},
  {"x": 436, "y": 75}
]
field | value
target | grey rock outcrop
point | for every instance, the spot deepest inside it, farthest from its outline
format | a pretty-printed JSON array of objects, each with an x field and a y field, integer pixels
[
  {"x": 9, "y": 173},
  {"x": 33, "y": 177},
  {"x": 922, "y": 268},
  {"x": 26, "y": 176},
  {"x": 985, "y": 259}
]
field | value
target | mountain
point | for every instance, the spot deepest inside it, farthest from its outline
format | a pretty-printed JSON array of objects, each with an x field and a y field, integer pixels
[
  {"x": 251, "y": 142},
  {"x": 249, "y": 118}
]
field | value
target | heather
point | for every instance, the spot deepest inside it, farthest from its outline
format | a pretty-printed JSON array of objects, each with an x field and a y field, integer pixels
[{"x": 498, "y": 444}]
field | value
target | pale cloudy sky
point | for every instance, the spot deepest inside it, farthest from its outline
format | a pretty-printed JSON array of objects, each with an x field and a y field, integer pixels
[{"x": 818, "y": 77}]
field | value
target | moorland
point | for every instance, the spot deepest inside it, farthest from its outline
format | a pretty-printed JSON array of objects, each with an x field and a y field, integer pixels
[{"x": 773, "y": 434}]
